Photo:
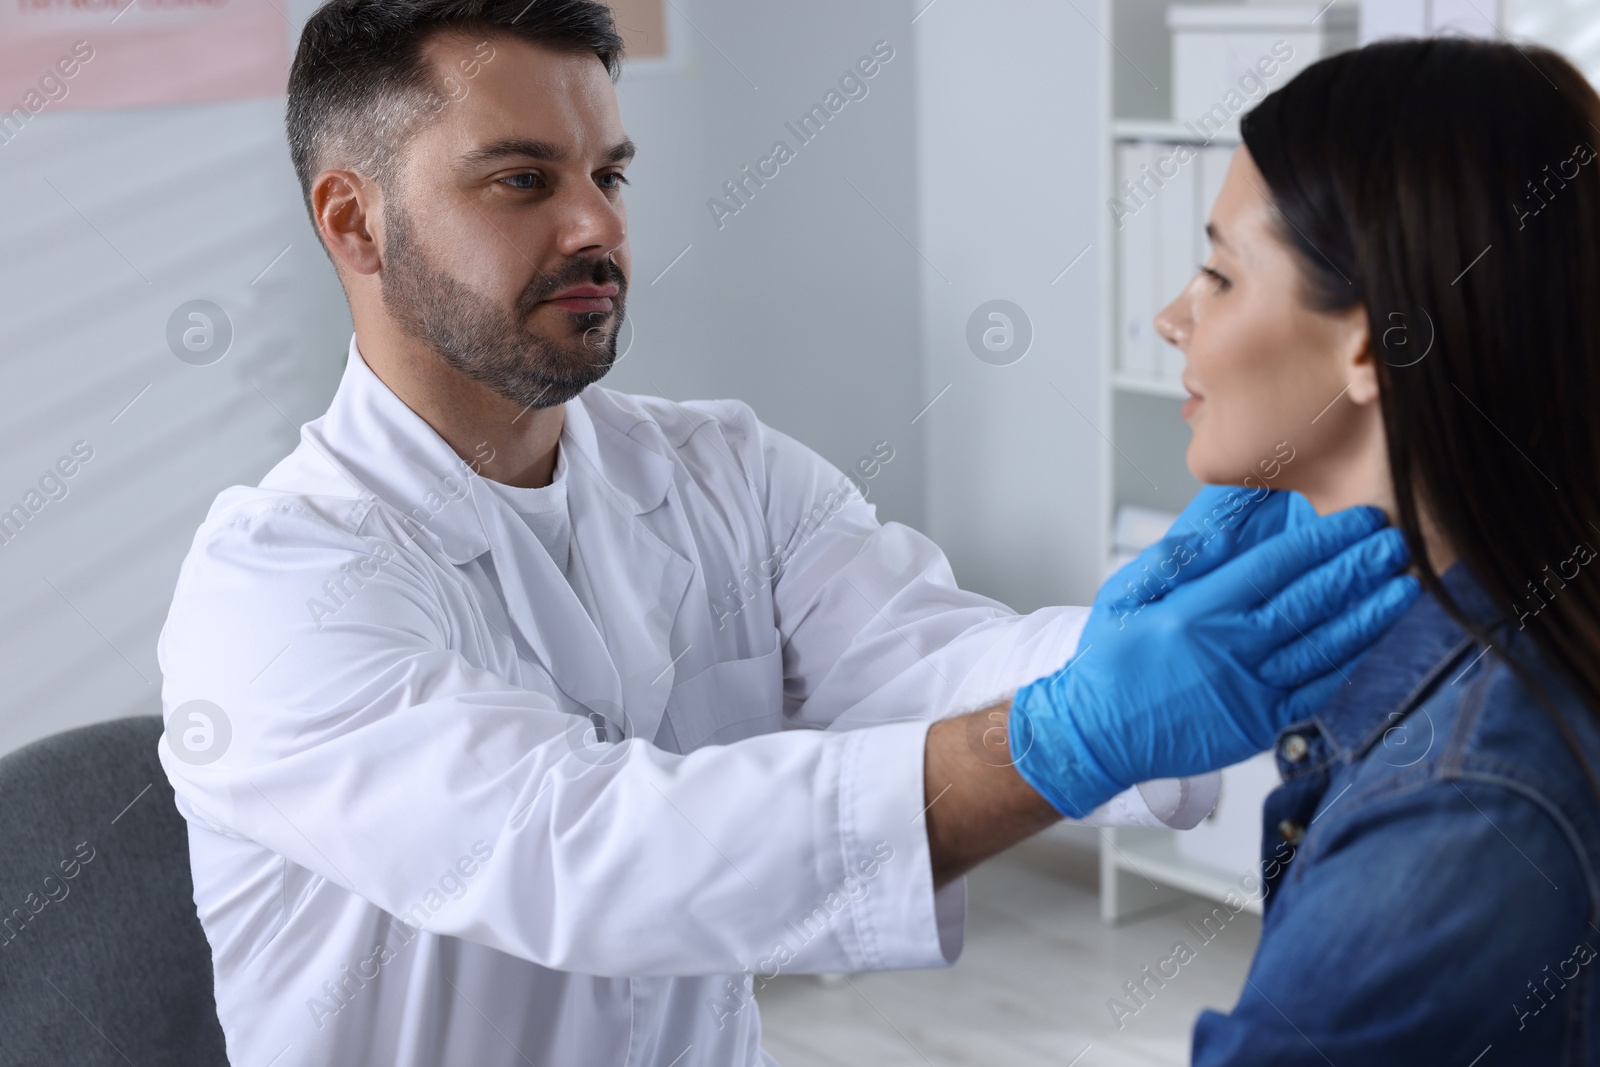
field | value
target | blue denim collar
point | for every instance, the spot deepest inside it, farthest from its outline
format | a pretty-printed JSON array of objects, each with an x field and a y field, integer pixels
[{"x": 1404, "y": 665}]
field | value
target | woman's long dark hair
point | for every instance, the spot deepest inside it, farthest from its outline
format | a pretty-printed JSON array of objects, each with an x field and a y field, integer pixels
[{"x": 1452, "y": 187}]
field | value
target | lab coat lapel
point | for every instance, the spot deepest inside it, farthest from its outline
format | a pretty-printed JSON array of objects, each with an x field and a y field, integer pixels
[
  {"x": 638, "y": 581},
  {"x": 387, "y": 448},
  {"x": 545, "y": 610}
]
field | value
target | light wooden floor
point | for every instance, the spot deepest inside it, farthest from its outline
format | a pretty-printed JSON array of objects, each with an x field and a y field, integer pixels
[{"x": 1031, "y": 987}]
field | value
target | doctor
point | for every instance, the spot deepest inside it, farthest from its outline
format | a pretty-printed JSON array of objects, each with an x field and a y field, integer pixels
[{"x": 520, "y": 721}]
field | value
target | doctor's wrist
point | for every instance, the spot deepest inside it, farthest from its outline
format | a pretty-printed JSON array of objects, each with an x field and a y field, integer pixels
[
  {"x": 977, "y": 803},
  {"x": 1052, "y": 755}
]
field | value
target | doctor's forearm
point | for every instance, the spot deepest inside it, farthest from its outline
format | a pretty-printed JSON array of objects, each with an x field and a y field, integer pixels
[{"x": 978, "y": 805}]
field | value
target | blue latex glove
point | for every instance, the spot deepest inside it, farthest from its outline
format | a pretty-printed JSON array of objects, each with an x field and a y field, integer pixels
[
  {"x": 1221, "y": 520},
  {"x": 1242, "y": 620}
]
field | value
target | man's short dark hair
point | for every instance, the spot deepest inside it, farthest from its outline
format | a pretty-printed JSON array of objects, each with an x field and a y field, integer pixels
[{"x": 361, "y": 86}]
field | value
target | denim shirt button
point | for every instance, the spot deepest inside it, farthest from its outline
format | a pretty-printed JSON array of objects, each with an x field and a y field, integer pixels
[
  {"x": 1291, "y": 831},
  {"x": 1295, "y": 748}
]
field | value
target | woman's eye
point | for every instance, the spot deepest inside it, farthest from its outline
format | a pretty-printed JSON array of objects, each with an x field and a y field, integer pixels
[
  {"x": 525, "y": 182},
  {"x": 1222, "y": 283}
]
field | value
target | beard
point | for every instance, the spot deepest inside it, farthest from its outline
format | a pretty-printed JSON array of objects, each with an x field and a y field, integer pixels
[{"x": 493, "y": 346}]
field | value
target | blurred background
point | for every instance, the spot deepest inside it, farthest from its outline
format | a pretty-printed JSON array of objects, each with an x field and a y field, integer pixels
[{"x": 962, "y": 265}]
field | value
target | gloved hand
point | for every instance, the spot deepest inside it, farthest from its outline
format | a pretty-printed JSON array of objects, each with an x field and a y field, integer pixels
[{"x": 1243, "y": 619}]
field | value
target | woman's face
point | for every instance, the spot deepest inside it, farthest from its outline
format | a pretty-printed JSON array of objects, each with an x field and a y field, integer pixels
[{"x": 1282, "y": 396}]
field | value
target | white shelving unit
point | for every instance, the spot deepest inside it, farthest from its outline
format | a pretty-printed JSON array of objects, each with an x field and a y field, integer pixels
[
  {"x": 1149, "y": 386},
  {"x": 1165, "y": 131},
  {"x": 1141, "y": 869}
]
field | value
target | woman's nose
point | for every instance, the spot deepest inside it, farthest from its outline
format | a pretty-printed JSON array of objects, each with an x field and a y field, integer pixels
[{"x": 1172, "y": 323}]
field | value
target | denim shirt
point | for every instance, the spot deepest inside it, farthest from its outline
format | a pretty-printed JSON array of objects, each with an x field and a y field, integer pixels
[{"x": 1430, "y": 864}]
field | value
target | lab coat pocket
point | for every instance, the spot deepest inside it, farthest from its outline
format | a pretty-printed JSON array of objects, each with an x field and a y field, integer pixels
[{"x": 728, "y": 701}]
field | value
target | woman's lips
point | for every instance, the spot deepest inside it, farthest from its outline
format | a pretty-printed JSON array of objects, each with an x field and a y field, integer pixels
[{"x": 1191, "y": 405}]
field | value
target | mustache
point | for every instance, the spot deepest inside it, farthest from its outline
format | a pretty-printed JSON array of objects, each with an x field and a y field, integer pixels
[{"x": 574, "y": 272}]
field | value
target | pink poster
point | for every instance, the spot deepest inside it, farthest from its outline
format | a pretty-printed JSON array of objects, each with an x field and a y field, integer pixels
[{"x": 60, "y": 54}]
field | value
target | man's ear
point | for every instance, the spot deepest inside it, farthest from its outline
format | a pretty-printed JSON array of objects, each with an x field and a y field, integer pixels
[{"x": 347, "y": 209}]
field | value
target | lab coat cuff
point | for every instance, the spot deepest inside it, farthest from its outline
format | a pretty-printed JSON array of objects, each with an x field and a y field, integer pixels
[
  {"x": 901, "y": 922},
  {"x": 950, "y": 905}
]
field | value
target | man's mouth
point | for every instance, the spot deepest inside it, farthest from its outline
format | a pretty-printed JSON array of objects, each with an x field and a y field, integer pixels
[{"x": 586, "y": 298}]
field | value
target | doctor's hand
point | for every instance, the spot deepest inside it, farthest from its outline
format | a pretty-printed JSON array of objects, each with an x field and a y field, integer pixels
[{"x": 1217, "y": 637}]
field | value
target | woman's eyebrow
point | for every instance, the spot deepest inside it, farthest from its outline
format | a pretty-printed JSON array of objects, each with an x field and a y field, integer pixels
[{"x": 1215, "y": 235}]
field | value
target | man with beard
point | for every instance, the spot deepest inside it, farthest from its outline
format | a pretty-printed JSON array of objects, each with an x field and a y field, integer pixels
[{"x": 482, "y": 761}]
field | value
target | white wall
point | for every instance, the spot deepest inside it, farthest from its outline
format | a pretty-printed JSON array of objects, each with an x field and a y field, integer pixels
[
  {"x": 805, "y": 305},
  {"x": 1572, "y": 27},
  {"x": 115, "y": 218},
  {"x": 835, "y": 302},
  {"x": 1012, "y": 149}
]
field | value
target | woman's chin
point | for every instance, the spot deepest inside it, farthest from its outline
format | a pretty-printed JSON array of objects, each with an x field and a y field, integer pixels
[{"x": 1206, "y": 469}]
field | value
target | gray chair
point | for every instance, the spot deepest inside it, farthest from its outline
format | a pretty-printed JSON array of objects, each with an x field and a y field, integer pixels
[{"x": 102, "y": 958}]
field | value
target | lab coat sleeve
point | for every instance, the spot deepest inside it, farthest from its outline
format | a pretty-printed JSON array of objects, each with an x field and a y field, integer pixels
[
  {"x": 874, "y": 626},
  {"x": 361, "y": 746},
  {"x": 874, "y": 631}
]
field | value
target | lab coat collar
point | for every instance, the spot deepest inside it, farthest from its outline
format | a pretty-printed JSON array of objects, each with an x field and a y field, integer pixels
[
  {"x": 601, "y": 430},
  {"x": 380, "y": 444},
  {"x": 390, "y": 451}
]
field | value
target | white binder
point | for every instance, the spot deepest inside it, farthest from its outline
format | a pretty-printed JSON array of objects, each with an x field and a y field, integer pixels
[
  {"x": 1136, "y": 260},
  {"x": 1178, "y": 246}
]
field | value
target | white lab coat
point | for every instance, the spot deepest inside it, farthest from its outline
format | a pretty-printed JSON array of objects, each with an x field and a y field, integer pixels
[{"x": 412, "y": 850}]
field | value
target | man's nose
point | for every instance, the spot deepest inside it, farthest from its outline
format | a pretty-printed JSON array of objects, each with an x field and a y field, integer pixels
[{"x": 591, "y": 224}]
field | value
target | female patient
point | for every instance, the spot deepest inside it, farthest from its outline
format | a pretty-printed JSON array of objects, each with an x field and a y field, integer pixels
[{"x": 1404, "y": 295}]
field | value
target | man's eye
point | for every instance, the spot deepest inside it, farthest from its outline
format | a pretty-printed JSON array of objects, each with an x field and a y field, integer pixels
[
  {"x": 617, "y": 179},
  {"x": 521, "y": 181}
]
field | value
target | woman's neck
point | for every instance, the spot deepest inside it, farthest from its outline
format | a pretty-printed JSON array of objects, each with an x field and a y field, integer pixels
[{"x": 1361, "y": 476}]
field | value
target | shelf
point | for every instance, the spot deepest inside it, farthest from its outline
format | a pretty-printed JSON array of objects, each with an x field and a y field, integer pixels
[
  {"x": 1155, "y": 858},
  {"x": 1167, "y": 130},
  {"x": 1150, "y": 387}
]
